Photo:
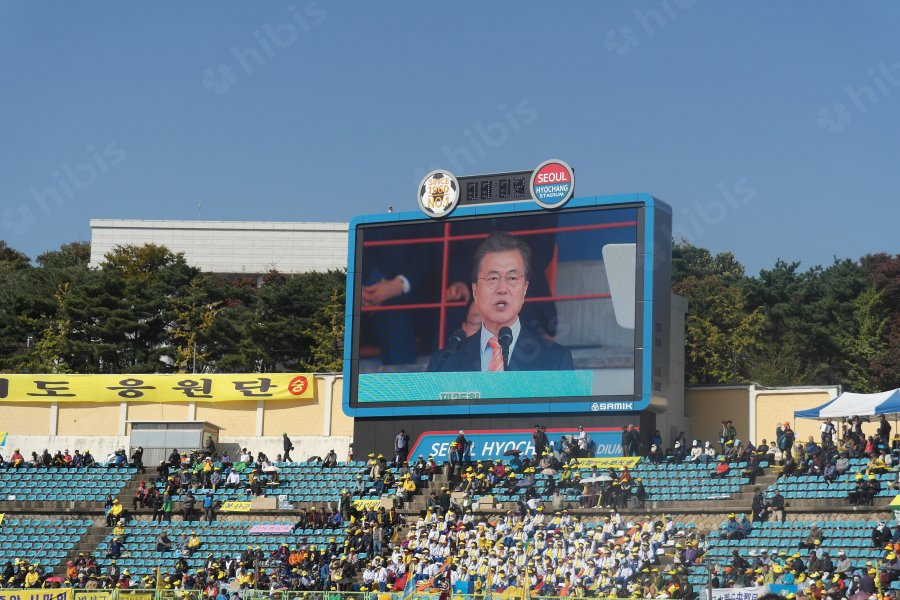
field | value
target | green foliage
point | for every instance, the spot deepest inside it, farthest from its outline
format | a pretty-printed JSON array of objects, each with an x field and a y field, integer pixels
[
  {"x": 327, "y": 333},
  {"x": 839, "y": 324}
]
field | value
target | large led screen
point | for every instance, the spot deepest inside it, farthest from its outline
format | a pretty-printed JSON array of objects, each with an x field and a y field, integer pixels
[{"x": 486, "y": 313}]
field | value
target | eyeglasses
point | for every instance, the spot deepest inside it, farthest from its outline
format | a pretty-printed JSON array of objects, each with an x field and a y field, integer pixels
[{"x": 513, "y": 280}]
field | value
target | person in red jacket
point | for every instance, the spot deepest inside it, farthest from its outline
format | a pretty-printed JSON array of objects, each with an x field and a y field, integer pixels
[{"x": 722, "y": 468}]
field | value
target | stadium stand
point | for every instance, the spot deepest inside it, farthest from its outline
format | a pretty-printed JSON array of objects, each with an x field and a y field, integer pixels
[
  {"x": 555, "y": 526},
  {"x": 60, "y": 484},
  {"x": 42, "y": 541}
]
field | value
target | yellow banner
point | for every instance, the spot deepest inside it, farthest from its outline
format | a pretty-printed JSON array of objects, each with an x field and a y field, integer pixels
[
  {"x": 368, "y": 503},
  {"x": 93, "y": 595},
  {"x": 176, "y": 387},
  {"x": 235, "y": 506},
  {"x": 616, "y": 462},
  {"x": 1, "y": 518},
  {"x": 136, "y": 594},
  {"x": 36, "y": 594}
]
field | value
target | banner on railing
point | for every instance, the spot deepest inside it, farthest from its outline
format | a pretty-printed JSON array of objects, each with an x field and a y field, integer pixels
[
  {"x": 607, "y": 462},
  {"x": 270, "y": 529},
  {"x": 93, "y": 595},
  {"x": 367, "y": 503},
  {"x": 36, "y": 594},
  {"x": 737, "y": 593},
  {"x": 235, "y": 506},
  {"x": 175, "y": 387}
]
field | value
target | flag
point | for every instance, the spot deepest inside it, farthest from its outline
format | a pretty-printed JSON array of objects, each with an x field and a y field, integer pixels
[
  {"x": 410, "y": 586},
  {"x": 3, "y": 435}
]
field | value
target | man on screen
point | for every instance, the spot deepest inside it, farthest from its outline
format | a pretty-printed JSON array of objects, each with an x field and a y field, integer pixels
[{"x": 500, "y": 277}]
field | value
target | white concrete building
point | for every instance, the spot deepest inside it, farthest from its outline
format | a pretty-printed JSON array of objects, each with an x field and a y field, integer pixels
[{"x": 251, "y": 247}]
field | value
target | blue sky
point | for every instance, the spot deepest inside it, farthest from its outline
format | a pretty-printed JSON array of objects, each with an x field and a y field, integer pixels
[{"x": 771, "y": 129}]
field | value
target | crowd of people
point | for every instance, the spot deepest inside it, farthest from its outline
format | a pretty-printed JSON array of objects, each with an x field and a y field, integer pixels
[
  {"x": 548, "y": 554},
  {"x": 539, "y": 545},
  {"x": 812, "y": 570}
]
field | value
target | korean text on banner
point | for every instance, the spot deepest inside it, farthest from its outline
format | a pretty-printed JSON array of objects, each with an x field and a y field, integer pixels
[
  {"x": 235, "y": 506},
  {"x": 93, "y": 595},
  {"x": 610, "y": 462},
  {"x": 175, "y": 387},
  {"x": 36, "y": 594}
]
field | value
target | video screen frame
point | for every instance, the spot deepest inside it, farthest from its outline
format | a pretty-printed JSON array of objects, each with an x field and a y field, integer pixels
[{"x": 644, "y": 299}]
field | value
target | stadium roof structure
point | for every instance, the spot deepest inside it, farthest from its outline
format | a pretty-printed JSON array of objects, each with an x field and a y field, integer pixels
[{"x": 849, "y": 404}]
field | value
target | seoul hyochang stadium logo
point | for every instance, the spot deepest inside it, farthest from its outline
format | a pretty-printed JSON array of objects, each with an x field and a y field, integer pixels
[
  {"x": 438, "y": 193},
  {"x": 552, "y": 183}
]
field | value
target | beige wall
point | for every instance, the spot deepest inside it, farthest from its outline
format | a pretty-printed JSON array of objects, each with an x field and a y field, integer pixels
[
  {"x": 25, "y": 418},
  {"x": 708, "y": 406},
  {"x": 235, "y": 418},
  {"x": 157, "y": 411},
  {"x": 303, "y": 417},
  {"x": 773, "y": 408},
  {"x": 88, "y": 418},
  {"x": 341, "y": 424}
]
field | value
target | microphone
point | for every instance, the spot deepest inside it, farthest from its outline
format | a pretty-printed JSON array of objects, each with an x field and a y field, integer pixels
[
  {"x": 453, "y": 342},
  {"x": 505, "y": 338}
]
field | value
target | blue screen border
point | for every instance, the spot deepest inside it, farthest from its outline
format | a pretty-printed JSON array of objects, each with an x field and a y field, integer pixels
[{"x": 641, "y": 400}]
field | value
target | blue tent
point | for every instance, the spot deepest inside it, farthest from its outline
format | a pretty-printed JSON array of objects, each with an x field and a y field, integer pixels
[{"x": 849, "y": 404}]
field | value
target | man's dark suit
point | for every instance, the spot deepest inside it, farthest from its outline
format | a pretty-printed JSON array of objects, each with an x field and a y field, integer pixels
[{"x": 531, "y": 352}]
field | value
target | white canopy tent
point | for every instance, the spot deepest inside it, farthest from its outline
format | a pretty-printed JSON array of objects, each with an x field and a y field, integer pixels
[{"x": 849, "y": 404}]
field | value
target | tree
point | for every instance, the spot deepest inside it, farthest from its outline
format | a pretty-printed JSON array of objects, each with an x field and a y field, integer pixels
[
  {"x": 74, "y": 254},
  {"x": 13, "y": 259},
  {"x": 326, "y": 354},
  {"x": 885, "y": 272}
]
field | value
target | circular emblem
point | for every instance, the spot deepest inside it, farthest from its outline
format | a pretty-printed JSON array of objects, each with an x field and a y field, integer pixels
[
  {"x": 438, "y": 193},
  {"x": 552, "y": 183},
  {"x": 298, "y": 385},
  {"x": 595, "y": 407}
]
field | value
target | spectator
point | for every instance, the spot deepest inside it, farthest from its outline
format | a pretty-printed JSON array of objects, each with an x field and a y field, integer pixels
[
  {"x": 187, "y": 506},
  {"x": 777, "y": 506},
  {"x": 813, "y": 538},
  {"x": 696, "y": 451},
  {"x": 208, "y": 508},
  {"x": 401, "y": 445},
  {"x": 631, "y": 441},
  {"x": 287, "y": 446},
  {"x": 722, "y": 469},
  {"x": 709, "y": 453},
  {"x": 163, "y": 542},
  {"x": 828, "y": 431},
  {"x": 758, "y": 506},
  {"x": 137, "y": 459},
  {"x": 233, "y": 481},
  {"x": 731, "y": 529},
  {"x": 115, "y": 512}
]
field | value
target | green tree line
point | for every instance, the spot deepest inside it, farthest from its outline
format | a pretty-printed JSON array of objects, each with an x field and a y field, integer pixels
[
  {"x": 144, "y": 309},
  {"x": 786, "y": 326}
]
